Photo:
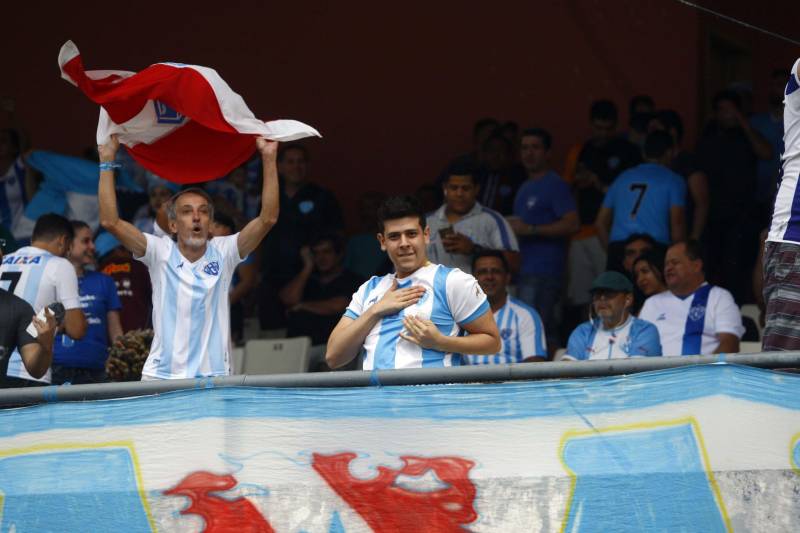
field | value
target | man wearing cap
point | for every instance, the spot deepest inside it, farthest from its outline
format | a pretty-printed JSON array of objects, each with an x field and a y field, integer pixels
[{"x": 612, "y": 332}]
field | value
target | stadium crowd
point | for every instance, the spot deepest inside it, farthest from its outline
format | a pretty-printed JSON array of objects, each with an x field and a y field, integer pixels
[{"x": 636, "y": 245}]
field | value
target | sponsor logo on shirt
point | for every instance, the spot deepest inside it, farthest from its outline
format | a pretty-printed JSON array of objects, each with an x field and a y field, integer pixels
[
  {"x": 531, "y": 202},
  {"x": 212, "y": 268},
  {"x": 662, "y": 316},
  {"x": 115, "y": 268},
  {"x": 22, "y": 260}
]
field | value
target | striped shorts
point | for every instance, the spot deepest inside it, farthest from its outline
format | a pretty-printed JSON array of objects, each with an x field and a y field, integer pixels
[{"x": 782, "y": 296}]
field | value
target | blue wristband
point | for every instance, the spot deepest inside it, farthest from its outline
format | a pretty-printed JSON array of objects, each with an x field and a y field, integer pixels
[{"x": 109, "y": 165}]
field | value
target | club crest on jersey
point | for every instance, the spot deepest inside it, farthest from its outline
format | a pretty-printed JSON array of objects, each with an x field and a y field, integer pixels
[
  {"x": 166, "y": 115},
  {"x": 212, "y": 268},
  {"x": 505, "y": 333},
  {"x": 697, "y": 312}
]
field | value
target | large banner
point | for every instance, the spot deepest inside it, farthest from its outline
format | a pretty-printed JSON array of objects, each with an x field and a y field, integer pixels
[{"x": 700, "y": 449}]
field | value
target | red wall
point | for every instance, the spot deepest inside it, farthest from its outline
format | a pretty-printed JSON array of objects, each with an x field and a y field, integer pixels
[{"x": 394, "y": 88}]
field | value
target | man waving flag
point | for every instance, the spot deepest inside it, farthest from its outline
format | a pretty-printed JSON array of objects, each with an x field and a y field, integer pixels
[{"x": 181, "y": 122}]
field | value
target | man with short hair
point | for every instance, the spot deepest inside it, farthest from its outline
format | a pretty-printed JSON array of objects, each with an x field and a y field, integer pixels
[
  {"x": 693, "y": 317},
  {"x": 40, "y": 275},
  {"x": 613, "y": 332},
  {"x": 191, "y": 276},
  {"x": 35, "y": 351},
  {"x": 463, "y": 227},
  {"x": 544, "y": 218},
  {"x": 416, "y": 316},
  {"x": 634, "y": 246},
  {"x": 319, "y": 294},
  {"x": 84, "y": 360},
  {"x": 648, "y": 198},
  {"x": 521, "y": 330}
]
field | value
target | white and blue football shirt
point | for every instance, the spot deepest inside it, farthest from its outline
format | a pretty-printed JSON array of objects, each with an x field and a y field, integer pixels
[
  {"x": 40, "y": 278},
  {"x": 521, "y": 334},
  {"x": 191, "y": 315},
  {"x": 452, "y": 299},
  {"x": 689, "y": 325},
  {"x": 634, "y": 338},
  {"x": 785, "y": 225}
]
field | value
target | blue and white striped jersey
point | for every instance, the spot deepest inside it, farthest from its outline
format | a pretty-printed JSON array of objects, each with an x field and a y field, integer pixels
[
  {"x": 452, "y": 299},
  {"x": 521, "y": 334},
  {"x": 40, "y": 278},
  {"x": 12, "y": 195},
  {"x": 634, "y": 338},
  {"x": 485, "y": 227},
  {"x": 191, "y": 314},
  {"x": 785, "y": 225}
]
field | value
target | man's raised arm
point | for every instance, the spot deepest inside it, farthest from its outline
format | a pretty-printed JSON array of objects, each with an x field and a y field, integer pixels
[
  {"x": 128, "y": 234},
  {"x": 255, "y": 230}
]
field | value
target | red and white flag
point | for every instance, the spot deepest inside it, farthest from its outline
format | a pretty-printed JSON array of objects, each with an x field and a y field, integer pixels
[{"x": 181, "y": 122}]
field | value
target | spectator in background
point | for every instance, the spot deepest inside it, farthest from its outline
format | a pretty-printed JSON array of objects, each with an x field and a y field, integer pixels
[
  {"x": 306, "y": 208},
  {"x": 648, "y": 198},
  {"x": 613, "y": 332},
  {"x": 510, "y": 130},
  {"x": 481, "y": 131},
  {"x": 591, "y": 169},
  {"x": 159, "y": 191},
  {"x": 635, "y": 245},
  {"x": 84, "y": 360},
  {"x": 728, "y": 152},
  {"x": 640, "y": 109},
  {"x": 39, "y": 274},
  {"x": 685, "y": 165},
  {"x": 319, "y": 294},
  {"x": 498, "y": 175},
  {"x": 521, "y": 330},
  {"x": 693, "y": 317},
  {"x": 363, "y": 254},
  {"x": 544, "y": 218},
  {"x": 648, "y": 271},
  {"x": 13, "y": 193},
  {"x": 462, "y": 226},
  {"x": 769, "y": 125},
  {"x": 245, "y": 277},
  {"x": 131, "y": 279}
]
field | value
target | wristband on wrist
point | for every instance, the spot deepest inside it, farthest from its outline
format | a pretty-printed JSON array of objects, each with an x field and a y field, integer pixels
[{"x": 109, "y": 165}]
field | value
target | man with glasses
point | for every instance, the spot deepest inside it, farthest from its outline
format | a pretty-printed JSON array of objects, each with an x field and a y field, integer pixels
[
  {"x": 611, "y": 331},
  {"x": 521, "y": 329}
]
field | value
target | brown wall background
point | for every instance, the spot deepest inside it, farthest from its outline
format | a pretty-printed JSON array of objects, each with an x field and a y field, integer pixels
[{"x": 394, "y": 88}]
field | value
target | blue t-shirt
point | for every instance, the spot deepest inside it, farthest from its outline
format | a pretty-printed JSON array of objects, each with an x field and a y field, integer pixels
[
  {"x": 641, "y": 199},
  {"x": 543, "y": 201},
  {"x": 98, "y": 295}
]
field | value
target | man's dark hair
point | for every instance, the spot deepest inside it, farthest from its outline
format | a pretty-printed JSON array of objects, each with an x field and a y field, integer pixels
[
  {"x": 729, "y": 96},
  {"x": 461, "y": 168},
  {"x": 484, "y": 123},
  {"x": 491, "y": 253},
  {"x": 646, "y": 237},
  {"x": 50, "y": 227},
  {"x": 498, "y": 137},
  {"x": 603, "y": 110},
  {"x": 78, "y": 225},
  {"x": 289, "y": 147},
  {"x": 671, "y": 120},
  {"x": 640, "y": 99},
  {"x": 694, "y": 250},
  {"x": 396, "y": 207},
  {"x": 656, "y": 144},
  {"x": 224, "y": 220},
  {"x": 332, "y": 237},
  {"x": 541, "y": 133}
]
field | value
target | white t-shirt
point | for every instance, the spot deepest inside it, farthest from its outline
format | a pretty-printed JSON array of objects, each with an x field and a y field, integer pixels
[
  {"x": 689, "y": 326},
  {"x": 40, "y": 278},
  {"x": 191, "y": 314},
  {"x": 452, "y": 299},
  {"x": 785, "y": 225}
]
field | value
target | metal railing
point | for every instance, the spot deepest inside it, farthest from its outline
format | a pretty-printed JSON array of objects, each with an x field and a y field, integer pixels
[{"x": 417, "y": 376}]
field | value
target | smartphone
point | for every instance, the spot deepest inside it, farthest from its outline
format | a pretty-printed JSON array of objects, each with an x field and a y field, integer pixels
[{"x": 446, "y": 231}]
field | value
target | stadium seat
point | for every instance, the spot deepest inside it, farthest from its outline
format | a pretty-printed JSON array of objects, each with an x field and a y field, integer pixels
[
  {"x": 276, "y": 356},
  {"x": 749, "y": 347},
  {"x": 752, "y": 311}
]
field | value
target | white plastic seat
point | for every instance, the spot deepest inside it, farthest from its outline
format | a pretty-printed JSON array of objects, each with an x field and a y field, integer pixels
[
  {"x": 276, "y": 356},
  {"x": 752, "y": 311},
  {"x": 749, "y": 347}
]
